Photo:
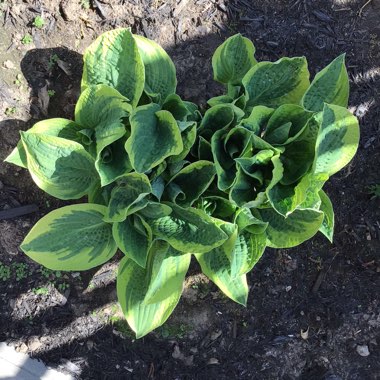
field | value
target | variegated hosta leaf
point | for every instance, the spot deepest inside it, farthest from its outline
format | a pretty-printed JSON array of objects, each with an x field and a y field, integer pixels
[
  {"x": 233, "y": 59},
  {"x": 128, "y": 196},
  {"x": 293, "y": 230},
  {"x": 133, "y": 237},
  {"x": 272, "y": 84},
  {"x": 327, "y": 227},
  {"x": 244, "y": 219},
  {"x": 329, "y": 86},
  {"x": 177, "y": 107},
  {"x": 337, "y": 141},
  {"x": 188, "y": 135},
  {"x": 216, "y": 265},
  {"x": 59, "y": 166},
  {"x": 154, "y": 136},
  {"x": 57, "y": 127},
  {"x": 168, "y": 271},
  {"x": 192, "y": 181},
  {"x": 247, "y": 252},
  {"x": 101, "y": 105},
  {"x": 113, "y": 59},
  {"x": 218, "y": 207},
  {"x": 257, "y": 120},
  {"x": 71, "y": 238},
  {"x": 154, "y": 210},
  {"x": 225, "y": 166},
  {"x": 188, "y": 230},
  {"x": 216, "y": 118},
  {"x": 133, "y": 285},
  {"x": 160, "y": 73},
  {"x": 286, "y": 122},
  {"x": 113, "y": 162}
]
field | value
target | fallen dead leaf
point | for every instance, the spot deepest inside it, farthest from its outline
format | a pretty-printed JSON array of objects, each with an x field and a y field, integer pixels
[{"x": 305, "y": 334}]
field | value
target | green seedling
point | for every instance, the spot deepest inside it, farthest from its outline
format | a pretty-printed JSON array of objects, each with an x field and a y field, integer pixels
[
  {"x": 51, "y": 93},
  {"x": 217, "y": 187},
  {"x": 27, "y": 39},
  {"x": 41, "y": 291},
  {"x": 374, "y": 191},
  {"x": 21, "y": 271},
  {"x": 38, "y": 22},
  {"x": 52, "y": 61},
  {"x": 10, "y": 111},
  {"x": 5, "y": 272}
]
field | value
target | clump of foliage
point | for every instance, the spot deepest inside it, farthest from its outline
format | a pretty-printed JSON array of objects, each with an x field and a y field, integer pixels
[
  {"x": 38, "y": 22},
  {"x": 165, "y": 183},
  {"x": 27, "y": 39}
]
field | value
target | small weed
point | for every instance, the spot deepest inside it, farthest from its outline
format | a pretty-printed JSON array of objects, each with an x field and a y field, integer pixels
[
  {"x": 64, "y": 286},
  {"x": 18, "y": 81},
  {"x": 374, "y": 191},
  {"x": 122, "y": 326},
  {"x": 21, "y": 270},
  {"x": 45, "y": 272},
  {"x": 52, "y": 61},
  {"x": 5, "y": 272},
  {"x": 27, "y": 39},
  {"x": 9, "y": 111},
  {"x": 173, "y": 331},
  {"x": 85, "y": 4},
  {"x": 51, "y": 93},
  {"x": 41, "y": 291},
  {"x": 39, "y": 22}
]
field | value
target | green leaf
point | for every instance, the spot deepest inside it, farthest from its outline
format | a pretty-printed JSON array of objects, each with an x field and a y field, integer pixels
[
  {"x": 175, "y": 105},
  {"x": 160, "y": 73},
  {"x": 188, "y": 230},
  {"x": 327, "y": 227},
  {"x": 58, "y": 166},
  {"x": 168, "y": 273},
  {"x": 257, "y": 120},
  {"x": 225, "y": 166},
  {"x": 157, "y": 132},
  {"x": 101, "y": 105},
  {"x": 132, "y": 286},
  {"x": 285, "y": 123},
  {"x": 272, "y": 84},
  {"x": 329, "y": 86},
  {"x": 244, "y": 219},
  {"x": 128, "y": 196},
  {"x": 215, "y": 119},
  {"x": 193, "y": 180},
  {"x": 155, "y": 210},
  {"x": 131, "y": 240},
  {"x": 218, "y": 207},
  {"x": 113, "y": 162},
  {"x": 71, "y": 238},
  {"x": 337, "y": 141},
  {"x": 293, "y": 230},
  {"x": 247, "y": 252},
  {"x": 113, "y": 59},
  {"x": 57, "y": 127},
  {"x": 188, "y": 138},
  {"x": 233, "y": 59},
  {"x": 216, "y": 265}
]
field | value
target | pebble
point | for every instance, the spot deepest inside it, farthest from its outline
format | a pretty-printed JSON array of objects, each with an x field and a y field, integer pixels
[{"x": 362, "y": 350}]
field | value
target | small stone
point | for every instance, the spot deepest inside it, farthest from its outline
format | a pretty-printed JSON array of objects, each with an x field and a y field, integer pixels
[
  {"x": 23, "y": 348},
  {"x": 213, "y": 361},
  {"x": 8, "y": 64},
  {"x": 34, "y": 344},
  {"x": 288, "y": 288},
  {"x": 362, "y": 350}
]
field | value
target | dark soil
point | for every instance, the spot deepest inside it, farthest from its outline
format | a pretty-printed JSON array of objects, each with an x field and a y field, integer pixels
[{"x": 311, "y": 309}]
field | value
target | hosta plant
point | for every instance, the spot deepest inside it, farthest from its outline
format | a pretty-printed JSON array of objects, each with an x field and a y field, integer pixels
[{"x": 165, "y": 183}]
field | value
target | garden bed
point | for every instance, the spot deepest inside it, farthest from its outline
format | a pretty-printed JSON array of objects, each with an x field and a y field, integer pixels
[{"x": 313, "y": 311}]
